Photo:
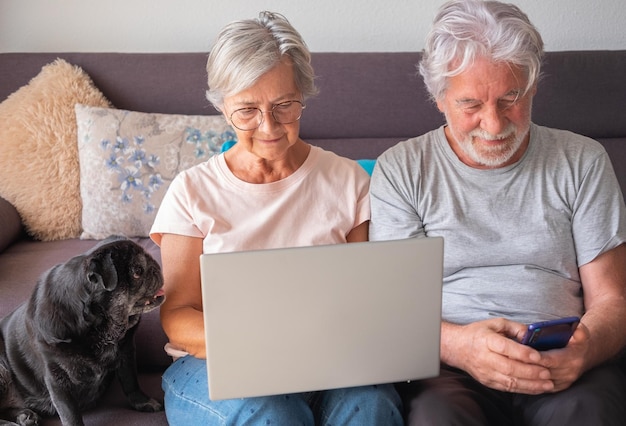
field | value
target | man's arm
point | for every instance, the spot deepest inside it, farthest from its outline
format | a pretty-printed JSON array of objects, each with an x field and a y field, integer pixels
[
  {"x": 601, "y": 335},
  {"x": 604, "y": 293},
  {"x": 489, "y": 350}
]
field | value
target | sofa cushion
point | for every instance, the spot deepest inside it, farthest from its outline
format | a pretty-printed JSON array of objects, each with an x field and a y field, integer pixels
[
  {"x": 11, "y": 224},
  {"x": 38, "y": 155},
  {"x": 367, "y": 164},
  {"x": 128, "y": 159}
]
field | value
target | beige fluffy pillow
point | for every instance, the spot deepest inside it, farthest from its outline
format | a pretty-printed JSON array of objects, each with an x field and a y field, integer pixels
[{"x": 39, "y": 170}]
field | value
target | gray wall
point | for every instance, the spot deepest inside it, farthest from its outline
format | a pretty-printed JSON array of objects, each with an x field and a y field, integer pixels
[{"x": 327, "y": 25}]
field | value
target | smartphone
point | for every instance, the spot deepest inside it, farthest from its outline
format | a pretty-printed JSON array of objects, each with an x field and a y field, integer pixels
[{"x": 551, "y": 334}]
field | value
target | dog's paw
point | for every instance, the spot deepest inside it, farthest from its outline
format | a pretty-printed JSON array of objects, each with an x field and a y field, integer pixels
[
  {"x": 149, "y": 406},
  {"x": 141, "y": 402},
  {"x": 27, "y": 418}
]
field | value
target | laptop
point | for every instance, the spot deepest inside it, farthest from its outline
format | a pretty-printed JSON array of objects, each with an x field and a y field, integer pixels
[{"x": 289, "y": 320}]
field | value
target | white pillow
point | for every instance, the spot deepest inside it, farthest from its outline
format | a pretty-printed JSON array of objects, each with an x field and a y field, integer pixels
[{"x": 128, "y": 159}]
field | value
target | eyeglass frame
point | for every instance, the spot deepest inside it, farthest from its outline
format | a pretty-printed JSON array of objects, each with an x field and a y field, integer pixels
[{"x": 262, "y": 113}]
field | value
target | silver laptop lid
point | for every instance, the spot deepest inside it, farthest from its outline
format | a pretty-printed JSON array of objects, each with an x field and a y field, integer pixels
[{"x": 311, "y": 318}]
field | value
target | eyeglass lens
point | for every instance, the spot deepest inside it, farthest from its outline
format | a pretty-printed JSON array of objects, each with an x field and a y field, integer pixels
[{"x": 282, "y": 113}]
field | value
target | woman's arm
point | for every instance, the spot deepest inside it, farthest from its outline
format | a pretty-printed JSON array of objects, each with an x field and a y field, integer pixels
[
  {"x": 181, "y": 313},
  {"x": 360, "y": 233}
]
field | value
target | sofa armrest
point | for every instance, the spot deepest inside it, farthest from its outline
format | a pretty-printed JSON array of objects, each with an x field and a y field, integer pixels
[{"x": 10, "y": 224}]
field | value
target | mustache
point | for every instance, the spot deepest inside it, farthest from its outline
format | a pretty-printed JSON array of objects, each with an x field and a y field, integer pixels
[{"x": 483, "y": 134}]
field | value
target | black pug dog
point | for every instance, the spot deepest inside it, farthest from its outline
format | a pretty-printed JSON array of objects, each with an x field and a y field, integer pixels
[{"x": 60, "y": 349}]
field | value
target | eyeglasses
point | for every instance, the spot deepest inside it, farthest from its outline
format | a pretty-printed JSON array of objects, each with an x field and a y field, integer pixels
[{"x": 282, "y": 113}]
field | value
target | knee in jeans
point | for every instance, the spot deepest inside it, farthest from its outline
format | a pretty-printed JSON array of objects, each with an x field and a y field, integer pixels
[
  {"x": 383, "y": 395},
  {"x": 366, "y": 404},
  {"x": 273, "y": 410}
]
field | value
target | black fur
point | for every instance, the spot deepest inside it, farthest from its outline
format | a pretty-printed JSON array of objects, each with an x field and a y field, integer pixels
[{"x": 60, "y": 349}]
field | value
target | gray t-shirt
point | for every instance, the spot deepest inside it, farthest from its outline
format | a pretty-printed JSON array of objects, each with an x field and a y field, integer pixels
[{"x": 514, "y": 237}]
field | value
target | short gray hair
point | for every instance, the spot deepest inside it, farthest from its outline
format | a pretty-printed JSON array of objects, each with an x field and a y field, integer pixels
[
  {"x": 464, "y": 30},
  {"x": 247, "y": 49}
]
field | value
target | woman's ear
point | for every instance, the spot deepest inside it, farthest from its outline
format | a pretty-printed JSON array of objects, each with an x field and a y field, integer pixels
[{"x": 222, "y": 111}]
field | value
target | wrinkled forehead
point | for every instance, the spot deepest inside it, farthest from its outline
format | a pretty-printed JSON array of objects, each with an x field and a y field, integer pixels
[
  {"x": 275, "y": 86},
  {"x": 483, "y": 74}
]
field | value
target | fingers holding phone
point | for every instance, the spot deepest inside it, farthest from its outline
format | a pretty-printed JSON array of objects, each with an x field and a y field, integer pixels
[
  {"x": 565, "y": 366},
  {"x": 553, "y": 334}
]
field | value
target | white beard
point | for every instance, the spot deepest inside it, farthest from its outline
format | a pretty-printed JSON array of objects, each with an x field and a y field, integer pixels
[{"x": 494, "y": 156}]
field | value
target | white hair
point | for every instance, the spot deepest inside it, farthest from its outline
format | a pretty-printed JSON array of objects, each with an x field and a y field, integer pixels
[
  {"x": 464, "y": 30},
  {"x": 247, "y": 49}
]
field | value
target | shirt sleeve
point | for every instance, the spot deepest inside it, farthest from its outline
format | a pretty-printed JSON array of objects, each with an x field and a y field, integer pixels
[
  {"x": 175, "y": 213},
  {"x": 599, "y": 215},
  {"x": 394, "y": 215}
]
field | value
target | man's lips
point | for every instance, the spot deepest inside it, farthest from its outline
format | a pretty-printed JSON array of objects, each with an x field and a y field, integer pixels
[{"x": 492, "y": 141}]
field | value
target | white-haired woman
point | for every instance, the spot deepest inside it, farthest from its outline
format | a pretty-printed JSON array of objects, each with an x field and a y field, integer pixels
[{"x": 257, "y": 195}]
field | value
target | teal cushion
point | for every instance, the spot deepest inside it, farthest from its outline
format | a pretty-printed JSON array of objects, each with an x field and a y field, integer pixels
[
  {"x": 227, "y": 145},
  {"x": 368, "y": 165}
]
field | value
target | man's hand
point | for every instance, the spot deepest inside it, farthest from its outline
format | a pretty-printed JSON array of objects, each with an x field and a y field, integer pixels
[
  {"x": 491, "y": 353},
  {"x": 566, "y": 365}
]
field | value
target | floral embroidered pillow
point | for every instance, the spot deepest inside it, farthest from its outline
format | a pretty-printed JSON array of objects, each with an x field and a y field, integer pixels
[{"x": 128, "y": 159}]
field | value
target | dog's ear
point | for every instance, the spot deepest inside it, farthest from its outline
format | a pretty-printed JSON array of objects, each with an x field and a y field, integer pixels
[{"x": 101, "y": 271}]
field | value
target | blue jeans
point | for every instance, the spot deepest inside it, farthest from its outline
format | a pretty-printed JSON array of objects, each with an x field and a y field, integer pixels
[{"x": 187, "y": 403}]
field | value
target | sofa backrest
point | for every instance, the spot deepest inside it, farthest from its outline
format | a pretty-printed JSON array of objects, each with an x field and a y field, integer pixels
[
  {"x": 367, "y": 102},
  {"x": 585, "y": 92}
]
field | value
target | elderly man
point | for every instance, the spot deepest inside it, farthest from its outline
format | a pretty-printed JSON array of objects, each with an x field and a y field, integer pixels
[{"x": 534, "y": 226}]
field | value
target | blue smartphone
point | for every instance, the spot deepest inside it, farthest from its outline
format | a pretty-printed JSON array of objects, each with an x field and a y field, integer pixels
[{"x": 551, "y": 334}]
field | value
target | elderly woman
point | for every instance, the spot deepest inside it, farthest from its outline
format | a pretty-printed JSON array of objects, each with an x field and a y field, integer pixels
[{"x": 257, "y": 196}]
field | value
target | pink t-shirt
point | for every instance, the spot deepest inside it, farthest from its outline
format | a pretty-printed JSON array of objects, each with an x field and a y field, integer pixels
[{"x": 318, "y": 204}]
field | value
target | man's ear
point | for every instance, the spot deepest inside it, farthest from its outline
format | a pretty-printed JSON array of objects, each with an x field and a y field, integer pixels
[{"x": 440, "y": 105}]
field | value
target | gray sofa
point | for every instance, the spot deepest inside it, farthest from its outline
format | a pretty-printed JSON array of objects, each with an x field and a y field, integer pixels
[{"x": 367, "y": 103}]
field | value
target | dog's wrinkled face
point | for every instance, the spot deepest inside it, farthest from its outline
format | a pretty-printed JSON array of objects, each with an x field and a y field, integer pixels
[{"x": 130, "y": 275}]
